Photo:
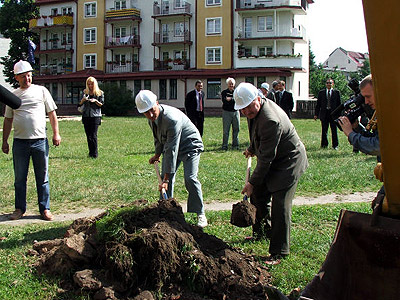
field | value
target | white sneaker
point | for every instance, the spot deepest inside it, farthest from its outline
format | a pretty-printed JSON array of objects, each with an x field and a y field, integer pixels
[{"x": 202, "y": 220}]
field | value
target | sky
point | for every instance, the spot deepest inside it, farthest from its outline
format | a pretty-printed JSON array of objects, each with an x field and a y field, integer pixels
[{"x": 336, "y": 23}]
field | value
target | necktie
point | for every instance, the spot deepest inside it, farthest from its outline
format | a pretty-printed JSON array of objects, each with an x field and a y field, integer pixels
[
  {"x": 200, "y": 102},
  {"x": 328, "y": 106}
]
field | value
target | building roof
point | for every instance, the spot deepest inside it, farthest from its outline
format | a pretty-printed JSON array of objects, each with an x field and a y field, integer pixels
[{"x": 357, "y": 57}]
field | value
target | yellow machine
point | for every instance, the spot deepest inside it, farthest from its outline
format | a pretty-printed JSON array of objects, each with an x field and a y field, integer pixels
[{"x": 364, "y": 259}]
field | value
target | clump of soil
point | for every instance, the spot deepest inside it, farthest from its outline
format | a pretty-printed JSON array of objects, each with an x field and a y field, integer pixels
[
  {"x": 151, "y": 252},
  {"x": 243, "y": 214}
]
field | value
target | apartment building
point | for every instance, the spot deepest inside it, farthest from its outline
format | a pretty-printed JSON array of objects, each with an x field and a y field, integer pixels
[{"x": 167, "y": 45}]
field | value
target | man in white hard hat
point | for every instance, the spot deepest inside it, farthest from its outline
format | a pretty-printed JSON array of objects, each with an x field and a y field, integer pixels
[
  {"x": 178, "y": 140},
  {"x": 30, "y": 139},
  {"x": 281, "y": 160},
  {"x": 264, "y": 89}
]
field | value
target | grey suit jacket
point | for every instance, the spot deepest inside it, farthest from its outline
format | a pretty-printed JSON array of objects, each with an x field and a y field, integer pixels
[
  {"x": 175, "y": 137},
  {"x": 281, "y": 156}
]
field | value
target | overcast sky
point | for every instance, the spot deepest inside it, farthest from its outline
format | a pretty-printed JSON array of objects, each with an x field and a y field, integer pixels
[{"x": 336, "y": 23}]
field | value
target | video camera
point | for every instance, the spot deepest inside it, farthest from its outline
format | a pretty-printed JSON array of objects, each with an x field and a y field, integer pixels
[{"x": 352, "y": 108}]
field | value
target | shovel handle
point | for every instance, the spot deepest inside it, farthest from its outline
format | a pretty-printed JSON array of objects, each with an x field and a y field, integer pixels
[
  {"x": 160, "y": 181},
  {"x": 245, "y": 198}
]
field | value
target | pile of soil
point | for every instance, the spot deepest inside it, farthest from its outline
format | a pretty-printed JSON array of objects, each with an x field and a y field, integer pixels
[{"x": 151, "y": 252}]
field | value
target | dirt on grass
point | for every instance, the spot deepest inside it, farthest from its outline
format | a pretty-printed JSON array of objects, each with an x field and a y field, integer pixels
[{"x": 150, "y": 252}]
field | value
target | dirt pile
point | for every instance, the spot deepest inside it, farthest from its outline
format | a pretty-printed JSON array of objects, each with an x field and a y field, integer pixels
[{"x": 149, "y": 252}]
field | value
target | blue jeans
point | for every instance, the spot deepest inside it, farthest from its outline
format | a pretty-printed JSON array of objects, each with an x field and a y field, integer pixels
[{"x": 23, "y": 150}]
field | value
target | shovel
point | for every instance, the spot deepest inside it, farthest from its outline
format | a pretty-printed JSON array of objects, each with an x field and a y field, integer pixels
[
  {"x": 160, "y": 181},
  {"x": 244, "y": 213}
]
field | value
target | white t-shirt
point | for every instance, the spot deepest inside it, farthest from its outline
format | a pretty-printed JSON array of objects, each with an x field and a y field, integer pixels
[{"x": 30, "y": 118}]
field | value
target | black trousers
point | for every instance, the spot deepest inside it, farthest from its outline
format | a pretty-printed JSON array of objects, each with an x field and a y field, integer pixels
[
  {"x": 198, "y": 121},
  {"x": 91, "y": 126},
  {"x": 325, "y": 123}
]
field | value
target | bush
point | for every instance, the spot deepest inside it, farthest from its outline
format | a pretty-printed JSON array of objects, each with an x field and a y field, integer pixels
[{"x": 118, "y": 101}]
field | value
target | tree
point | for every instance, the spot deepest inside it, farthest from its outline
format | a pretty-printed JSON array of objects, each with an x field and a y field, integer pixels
[
  {"x": 362, "y": 72},
  {"x": 318, "y": 79},
  {"x": 14, "y": 24},
  {"x": 118, "y": 100}
]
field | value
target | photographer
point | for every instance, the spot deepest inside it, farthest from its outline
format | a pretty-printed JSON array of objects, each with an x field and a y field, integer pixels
[{"x": 367, "y": 142}]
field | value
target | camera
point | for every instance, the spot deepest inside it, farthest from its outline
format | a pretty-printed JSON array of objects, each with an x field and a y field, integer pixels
[{"x": 352, "y": 108}]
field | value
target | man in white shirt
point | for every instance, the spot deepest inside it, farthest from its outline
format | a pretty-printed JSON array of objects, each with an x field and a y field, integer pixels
[{"x": 30, "y": 139}]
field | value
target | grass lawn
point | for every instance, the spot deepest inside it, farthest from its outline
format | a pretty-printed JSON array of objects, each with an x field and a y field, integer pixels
[{"x": 122, "y": 174}]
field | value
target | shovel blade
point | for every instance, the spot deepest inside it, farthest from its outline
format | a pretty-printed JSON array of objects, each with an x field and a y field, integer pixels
[{"x": 362, "y": 263}]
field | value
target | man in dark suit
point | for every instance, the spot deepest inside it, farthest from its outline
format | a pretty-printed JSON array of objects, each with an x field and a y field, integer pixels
[
  {"x": 281, "y": 160},
  {"x": 328, "y": 101},
  {"x": 194, "y": 106},
  {"x": 285, "y": 99}
]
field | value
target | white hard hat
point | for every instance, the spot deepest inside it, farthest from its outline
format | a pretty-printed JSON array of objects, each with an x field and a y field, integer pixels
[
  {"x": 265, "y": 85},
  {"x": 145, "y": 100},
  {"x": 22, "y": 67},
  {"x": 244, "y": 94}
]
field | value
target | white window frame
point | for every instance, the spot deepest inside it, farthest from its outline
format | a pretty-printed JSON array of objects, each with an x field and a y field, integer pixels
[
  {"x": 214, "y": 23},
  {"x": 179, "y": 29},
  {"x": 214, "y": 60},
  {"x": 54, "y": 11},
  {"x": 121, "y": 60},
  {"x": 265, "y": 50},
  {"x": 66, "y": 10},
  {"x": 90, "y": 56},
  {"x": 213, "y": 2},
  {"x": 179, "y": 3},
  {"x": 91, "y": 40},
  {"x": 122, "y": 4},
  {"x": 266, "y": 25},
  {"x": 90, "y": 13},
  {"x": 119, "y": 31}
]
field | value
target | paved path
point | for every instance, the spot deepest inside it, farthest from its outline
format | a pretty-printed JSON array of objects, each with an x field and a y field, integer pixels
[{"x": 332, "y": 198}]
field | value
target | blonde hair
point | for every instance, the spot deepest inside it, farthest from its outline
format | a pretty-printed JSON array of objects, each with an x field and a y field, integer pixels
[
  {"x": 230, "y": 79},
  {"x": 96, "y": 91}
]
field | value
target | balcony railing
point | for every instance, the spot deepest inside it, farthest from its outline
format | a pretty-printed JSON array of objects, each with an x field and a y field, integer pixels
[
  {"x": 169, "y": 64},
  {"x": 270, "y": 61},
  {"x": 166, "y": 9},
  {"x": 297, "y": 32},
  {"x": 161, "y": 38},
  {"x": 53, "y": 45},
  {"x": 52, "y": 21},
  {"x": 53, "y": 69},
  {"x": 132, "y": 40},
  {"x": 123, "y": 13},
  {"x": 255, "y": 4},
  {"x": 115, "y": 67}
]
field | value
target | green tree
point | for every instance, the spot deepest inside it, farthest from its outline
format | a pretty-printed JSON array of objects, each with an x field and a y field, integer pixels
[
  {"x": 118, "y": 101},
  {"x": 14, "y": 24},
  {"x": 362, "y": 72},
  {"x": 318, "y": 79}
]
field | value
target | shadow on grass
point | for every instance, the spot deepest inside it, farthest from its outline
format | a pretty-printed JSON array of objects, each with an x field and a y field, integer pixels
[{"x": 29, "y": 237}]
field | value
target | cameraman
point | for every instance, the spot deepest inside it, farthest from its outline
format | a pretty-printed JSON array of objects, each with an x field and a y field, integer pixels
[{"x": 367, "y": 142}]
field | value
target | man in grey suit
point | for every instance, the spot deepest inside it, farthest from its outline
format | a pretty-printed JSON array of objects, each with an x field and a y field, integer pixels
[
  {"x": 178, "y": 140},
  {"x": 281, "y": 160}
]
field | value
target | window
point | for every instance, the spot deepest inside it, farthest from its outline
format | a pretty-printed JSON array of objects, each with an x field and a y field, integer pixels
[
  {"x": 265, "y": 23},
  {"x": 213, "y": 26},
  {"x": 265, "y": 50},
  {"x": 213, "y": 55},
  {"x": 90, "y": 10},
  {"x": 179, "y": 3},
  {"x": 120, "y": 59},
  {"x": 165, "y": 55},
  {"x": 66, "y": 10},
  {"x": 120, "y": 4},
  {"x": 137, "y": 86},
  {"x": 165, "y": 38},
  {"x": 213, "y": 2},
  {"x": 54, "y": 11},
  {"x": 248, "y": 25},
  {"x": 147, "y": 84},
  {"x": 213, "y": 88},
  {"x": 299, "y": 89},
  {"x": 247, "y": 3},
  {"x": 120, "y": 32},
  {"x": 89, "y": 61},
  {"x": 180, "y": 54},
  {"x": 162, "y": 85},
  {"x": 90, "y": 35},
  {"x": 179, "y": 28},
  {"x": 67, "y": 38},
  {"x": 249, "y": 79},
  {"x": 173, "y": 88},
  {"x": 260, "y": 80}
]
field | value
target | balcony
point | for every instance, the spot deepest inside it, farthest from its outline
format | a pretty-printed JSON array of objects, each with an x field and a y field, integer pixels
[
  {"x": 53, "y": 46},
  {"x": 161, "y": 38},
  {"x": 166, "y": 10},
  {"x": 297, "y": 33},
  {"x": 273, "y": 4},
  {"x": 126, "y": 41},
  {"x": 52, "y": 69},
  {"x": 126, "y": 13},
  {"x": 169, "y": 64},
  {"x": 116, "y": 67},
  {"x": 270, "y": 61},
  {"x": 52, "y": 21}
]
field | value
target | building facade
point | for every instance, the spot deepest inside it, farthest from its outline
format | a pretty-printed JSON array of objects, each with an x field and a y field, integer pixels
[
  {"x": 345, "y": 61},
  {"x": 167, "y": 45}
]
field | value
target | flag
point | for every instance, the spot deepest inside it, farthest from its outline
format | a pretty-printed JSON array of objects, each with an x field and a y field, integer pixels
[{"x": 31, "y": 50}]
